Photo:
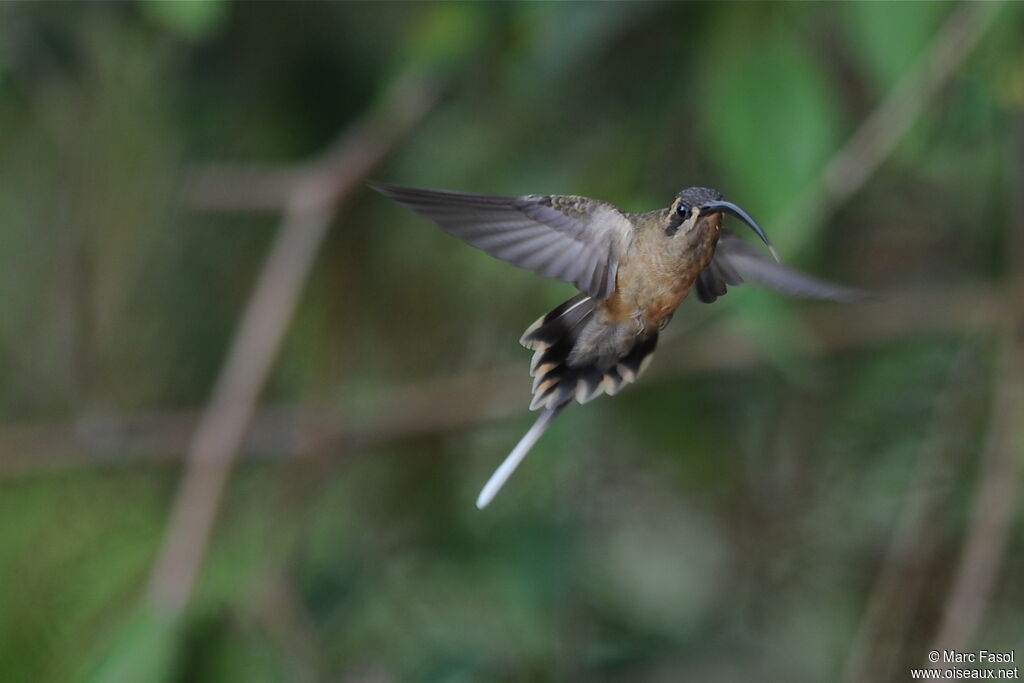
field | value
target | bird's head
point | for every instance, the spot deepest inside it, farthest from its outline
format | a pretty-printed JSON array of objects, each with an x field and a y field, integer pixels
[{"x": 697, "y": 209}]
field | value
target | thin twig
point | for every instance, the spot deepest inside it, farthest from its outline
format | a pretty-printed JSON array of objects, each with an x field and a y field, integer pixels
[
  {"x": 999, "y": 478},
  {"x": 994, "y": 504},
  {"x": 897, "y": 589},
  {"x": 281, "y": 612},
  {"x": 311, "y": 205}
]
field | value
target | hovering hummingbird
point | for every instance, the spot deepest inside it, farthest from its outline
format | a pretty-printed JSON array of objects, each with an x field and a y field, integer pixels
[{"x": 632, "y": 271}]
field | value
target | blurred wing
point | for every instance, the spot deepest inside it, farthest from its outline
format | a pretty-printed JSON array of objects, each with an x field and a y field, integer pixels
[
  {"x": 736, "y": 261},
  {"x": 574, "y": 239}
]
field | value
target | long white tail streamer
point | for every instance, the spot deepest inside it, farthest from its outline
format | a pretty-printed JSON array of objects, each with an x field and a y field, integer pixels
[{"x": 511, "y": 462}]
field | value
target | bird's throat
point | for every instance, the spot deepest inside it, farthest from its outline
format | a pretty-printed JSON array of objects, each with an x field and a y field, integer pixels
[{"x": 652, "y": 285}]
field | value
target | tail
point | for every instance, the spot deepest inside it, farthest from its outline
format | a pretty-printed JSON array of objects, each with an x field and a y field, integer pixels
[
  {"x": 511, "y": 462},
  {"x": 577, "y": 354}
]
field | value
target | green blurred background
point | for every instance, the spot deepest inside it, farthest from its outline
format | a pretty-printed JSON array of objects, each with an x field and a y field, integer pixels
[{"x": 796, "y": 491}]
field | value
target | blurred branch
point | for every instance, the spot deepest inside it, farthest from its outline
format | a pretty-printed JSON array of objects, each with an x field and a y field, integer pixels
[
  {"x": 994, "y": 505},
  {"x": 311, "y": 203},
  {"x": 415, "y": 408},
  {"x": 995, "y": 500},
  {"x": 897, "y": 592},
  {"x": 879, "y": 133},
  {"x": 240, "y": 187},
  {"x": 225, "y": 187},
  {"x": 999, "y": 482},
  {"x": 282, "y": 614}
]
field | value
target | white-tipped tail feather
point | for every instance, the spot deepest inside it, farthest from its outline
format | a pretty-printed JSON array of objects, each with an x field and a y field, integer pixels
[
  {"x": 509, "y": 465},
  {"x": 576, "y": 356}
]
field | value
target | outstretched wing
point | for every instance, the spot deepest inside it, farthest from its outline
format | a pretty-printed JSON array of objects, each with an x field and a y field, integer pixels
[
  {"x": 736, "y": 261},
  {"x": 574, "y": 239}
]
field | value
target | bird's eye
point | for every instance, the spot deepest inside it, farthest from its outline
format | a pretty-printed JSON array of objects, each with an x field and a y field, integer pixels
[{"x": 683, "y": 210}]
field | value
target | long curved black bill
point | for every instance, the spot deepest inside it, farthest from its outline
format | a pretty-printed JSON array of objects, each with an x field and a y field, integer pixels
[{"x": 735, "y": 210}]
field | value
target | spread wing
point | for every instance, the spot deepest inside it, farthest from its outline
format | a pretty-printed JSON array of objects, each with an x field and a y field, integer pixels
[
  {"x": 574, "y": 239},
  {"x": 736, "y": 261}
]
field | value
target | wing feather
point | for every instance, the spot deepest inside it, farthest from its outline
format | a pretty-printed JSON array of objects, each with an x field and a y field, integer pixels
[
  {"x": 736, "y": 261},
  {"x": 574, "y": 239}
]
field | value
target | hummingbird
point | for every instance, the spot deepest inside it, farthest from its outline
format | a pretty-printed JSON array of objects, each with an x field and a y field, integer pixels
[{"x": 632, "y": 270}]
